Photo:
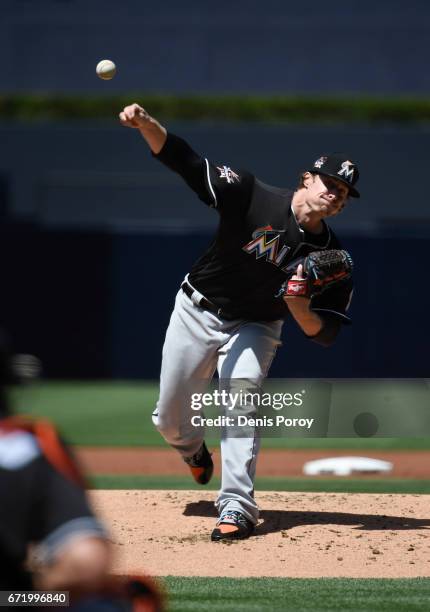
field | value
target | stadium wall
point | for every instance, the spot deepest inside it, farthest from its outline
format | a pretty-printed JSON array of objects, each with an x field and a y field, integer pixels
[
  {"x": 96, "y": 305},
  {"x": 227, "y": 47}
]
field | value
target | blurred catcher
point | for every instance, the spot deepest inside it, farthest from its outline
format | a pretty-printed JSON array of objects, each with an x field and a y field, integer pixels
[
  {"x": 50, "y": 538},
  {"x": 273, "y": 256}
]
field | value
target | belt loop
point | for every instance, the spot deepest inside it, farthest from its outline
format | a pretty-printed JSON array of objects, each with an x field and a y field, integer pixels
[
  {"x": 200, "y": 300},
  {"x": 196, "y": 297}
]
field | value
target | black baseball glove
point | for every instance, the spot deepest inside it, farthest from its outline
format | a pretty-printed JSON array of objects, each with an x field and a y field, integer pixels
[{"x": 321, "y": 270}]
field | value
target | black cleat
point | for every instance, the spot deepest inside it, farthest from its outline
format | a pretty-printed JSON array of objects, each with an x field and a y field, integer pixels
[
  {"x": 232, "y": 526},
  {"x": 201, "y": 465}
]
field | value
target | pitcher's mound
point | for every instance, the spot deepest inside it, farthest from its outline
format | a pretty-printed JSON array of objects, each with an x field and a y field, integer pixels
[{"x": 304, "y": 535}]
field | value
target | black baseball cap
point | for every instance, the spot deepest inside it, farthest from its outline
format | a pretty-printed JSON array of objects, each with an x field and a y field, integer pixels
[{"x": 340, "y": 167}]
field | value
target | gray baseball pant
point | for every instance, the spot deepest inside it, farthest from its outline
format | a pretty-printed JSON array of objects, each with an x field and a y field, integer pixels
[{"x": 197, "y": 343}]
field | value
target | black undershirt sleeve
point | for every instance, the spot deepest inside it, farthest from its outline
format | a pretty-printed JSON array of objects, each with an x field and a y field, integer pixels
[
  {"x": 330, "y": 329},
  {"x": 332, "y": 307},
  {"x": 177, "y": 155}
]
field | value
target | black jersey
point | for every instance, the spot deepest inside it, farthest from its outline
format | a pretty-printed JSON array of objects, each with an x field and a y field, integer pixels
[
  {"x": 38, "y": 504},
  {"x": 257, "y": 244}
]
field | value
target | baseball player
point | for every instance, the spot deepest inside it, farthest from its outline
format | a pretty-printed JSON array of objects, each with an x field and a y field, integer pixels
[
  {"x": 44, "y": 509},
  {"x": 43, "y": 503},
  {"x": 229, "y": 310}
]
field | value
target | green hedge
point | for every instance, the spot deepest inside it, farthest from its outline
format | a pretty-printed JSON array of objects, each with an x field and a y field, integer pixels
[{"x": 231, "y": 108}]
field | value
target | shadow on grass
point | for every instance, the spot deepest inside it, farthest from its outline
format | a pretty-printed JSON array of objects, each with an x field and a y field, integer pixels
[{"x": 278, "y": 520}]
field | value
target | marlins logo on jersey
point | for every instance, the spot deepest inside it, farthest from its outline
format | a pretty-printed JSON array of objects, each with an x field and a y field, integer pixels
[{"x": 265, "y": 243}]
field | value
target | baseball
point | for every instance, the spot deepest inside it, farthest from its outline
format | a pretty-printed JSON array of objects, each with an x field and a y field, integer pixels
[{"x": 106, "y": 69}]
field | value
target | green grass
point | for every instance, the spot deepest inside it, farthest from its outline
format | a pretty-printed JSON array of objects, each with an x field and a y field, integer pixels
[
  {"x": 119, "y": 414},
  {"x": 95, "y": 413},
  {"x": 295, "y": 594},
  {"x": 341, "y": 485},
  {"x": 349, "y": 443},
  {"x": 323, "y": 109}
]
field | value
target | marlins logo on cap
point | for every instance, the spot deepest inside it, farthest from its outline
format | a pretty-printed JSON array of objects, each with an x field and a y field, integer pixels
[{"x": 337, "y": 165}]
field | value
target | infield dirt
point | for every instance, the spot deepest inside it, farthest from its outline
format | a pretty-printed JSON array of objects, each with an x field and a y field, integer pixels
[
  {"x": 281, "y": 463},
  {"x": 304, "y": 535}
]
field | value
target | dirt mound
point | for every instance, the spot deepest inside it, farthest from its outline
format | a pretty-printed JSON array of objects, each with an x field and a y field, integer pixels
[{"x": 302, "y": 535}]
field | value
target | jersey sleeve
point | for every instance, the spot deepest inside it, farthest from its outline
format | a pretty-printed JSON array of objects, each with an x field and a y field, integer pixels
[
  {"x": 39, "y": 504},
  {"x": 227, "y": 189},
  {"x": 62, "y": 512}
]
